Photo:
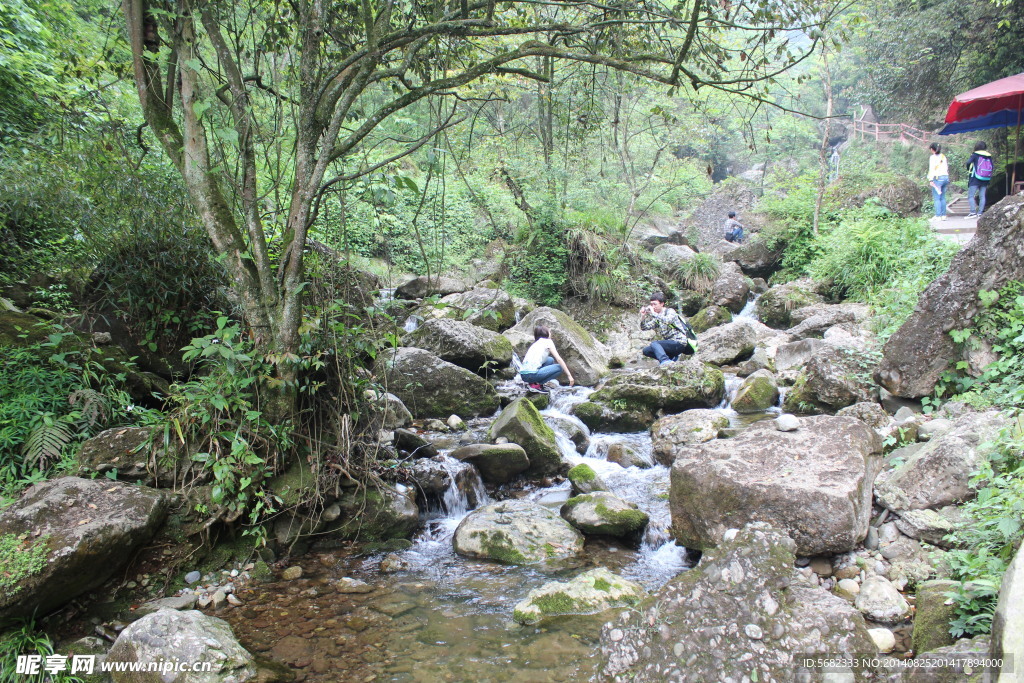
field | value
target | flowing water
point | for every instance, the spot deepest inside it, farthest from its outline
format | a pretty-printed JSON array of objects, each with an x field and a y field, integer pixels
[{"x": 442, "y": 617}]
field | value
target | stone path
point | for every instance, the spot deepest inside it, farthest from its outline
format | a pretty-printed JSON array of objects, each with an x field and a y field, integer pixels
[{"x": 957, "y": 227}]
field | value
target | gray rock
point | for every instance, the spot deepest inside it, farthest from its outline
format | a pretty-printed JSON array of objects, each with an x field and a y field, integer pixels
[
  {"x": 814, "y": 320},
  {"x": 124, "y": 450},
  {"x": 88, "y": 528},
  {"x": 1008, "y": 621},
  {"x": 796, "y": 354},
  {"x": 938, "y": 474},
  {"x": 833, "y": 378},
  {"x": 389, "y": 410},
  {"x": 881, "y": 602},
  {"x": 885, "y": 640},
  {"x": 756, "y": 259},
  {"x": 708, "y": 317},
  {"x": 950, "y": 670},
  {"x": 933, "y": 428},
  {"x": 933, "y": 612},
  {"x": 191, "y": 637},
  {"x": 432, "y": 387},
  {"x": 703, "y": 625},
  {"x": 410, "y": 443},
  {"x": 457, "y": 341},
  {"x": 672, "y": 433},
  {"x": 731, "y": 289},
  {"x": 625, "y": 456},
  {"x": 594, "y": 591},
  {"x": 486, "y": 307},
  {"x": 603, "y": 514},
  {"x": 174, "y": 602},
  {"x": 192, "y": 577},
  {"x": 585, "y": 480},
  {"x": 669, "y": 257},
  {"x": 787, "y": 423},
  {"x": 729, "y": 343},
  {"x": 814, "y": 483},
  {"x": 571, "y": 427},
  {"x": 756, "y": 394},
  {"x": 776, "y": 306},
  {"x": 522, "y": 424},
  {"x": 517, "y": 532},
  {"x": 419, "y": 287},
  {"x": 376, "y": 514},
  {"x": 931, "y": 526},
  {"x": 586, "y": 357},
  {"x": 919, "y": 352},
  {"x": 498, "y": 463}
]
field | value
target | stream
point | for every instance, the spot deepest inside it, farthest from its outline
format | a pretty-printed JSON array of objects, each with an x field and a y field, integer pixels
[{"x": 443, "y": 617}]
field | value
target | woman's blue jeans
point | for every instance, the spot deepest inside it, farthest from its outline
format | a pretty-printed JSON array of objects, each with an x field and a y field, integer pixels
[
  {"x": 939, "y": 195},
  {"x": 976, "y": 198},
  {"x": 549, "y": 371}
]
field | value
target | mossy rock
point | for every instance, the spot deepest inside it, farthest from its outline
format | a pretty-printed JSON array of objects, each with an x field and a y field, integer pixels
[
  {"x": 591, "y": 592},
  {"x": 775, "y": 306},
  {"x": 517, "y": 532},
  {"x": 603, "y": 514},
  {"x": 375, "y": 515},
  {"x": 711, "y": 316},
  {"x": 672, "y": 388},
  {"x": 757, "y": 394},
  {"x": 934, "y": 613},
  {"x": 585, "y": 480},
  {"x": 617, "y": 418},
  {"x": 295, "y": 486},
  {"x": 521, "y": 423}
]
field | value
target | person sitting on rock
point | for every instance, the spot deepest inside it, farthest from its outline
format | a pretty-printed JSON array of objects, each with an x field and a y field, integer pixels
[
  {"x": 733, "y": 229},
  {"x": 542, "y": 362},
  {"x": 677, "y": 337}
]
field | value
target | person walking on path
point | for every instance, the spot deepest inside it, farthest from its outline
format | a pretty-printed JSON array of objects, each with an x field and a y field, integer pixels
[
  {"x": 938, "y": 179},
  {"x": 677, "y": 337},
  {"x": 733, "y": 229},
  {"x": 542, "y": 363},
  {"x": 979, "y": 170}
]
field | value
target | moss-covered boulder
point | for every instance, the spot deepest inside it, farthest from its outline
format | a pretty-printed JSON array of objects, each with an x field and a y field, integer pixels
[
  {"x": 586, "y": 357},
  {"x": 584, "y": 479},
  {"x": 422, "y": 286},
  {"x": 126, "y": 453},
  {"x": 432, "y": 387},
  {"x": 603, "y": 514},
  {"x": 498, "y": 463},
  {"x": 521, "y": 423},
  {"x": 591, "y": 592},
  {"x": 487, "y": 307},
  {"x": 625, "y": 455},
  {"x": 475, "y": 348},
  {"x": 634, "y": 400},
  {"x": 376, "y": 514},
  {"x": 66, "y": 536},
  {"x": 933, "y": 614},
  {"x": 711, "y": 316},
  {"x": 295, "y": 486},
  {"x": 517, "y": 532},
  {"x": 731, "y": 288},
  {"x": 732, "y": 342},
  {"x": 775, "y": 306},
  {"x": 756, "y": 394},
  {"x": 833, "y": 378},
  {"x": 674, "y": 433}
]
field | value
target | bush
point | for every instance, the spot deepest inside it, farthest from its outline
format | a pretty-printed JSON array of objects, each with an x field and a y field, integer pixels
[
  {"x": 538, "y": 268},
  {"x": 700, "y": 272}
]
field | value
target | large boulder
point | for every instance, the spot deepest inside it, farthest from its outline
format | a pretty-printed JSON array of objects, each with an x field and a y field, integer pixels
[
  {"x": 813, "y": 483},
  {"x": 191, "y": 637},
  {"x": 731, "y": 288},
  {"x": 649, "y": 234},
  {"x": 517, "y": 532},
  {"x": 81, "y": 531},
  {"x": 704, "y": 225},
  {"x": 521, "y": 423},
  {"x": 668, "y": 258},
  {"x": 756, "y": 258},
  {"x": 422, "y": 286},
  {"x": 756, "y": 394},
  {"x": 775, "y": 307},
  {"x": 632, "y": 401},
  {"x": 584, "y": 479},
  {"x": 586, "y": 357},
  {"x": 743, "y": 614},
  {"x": 462, "y": 343},
  {"x": 126, "y": 453},
  {"x": 591, "y": 592},
  {"x": 1008, "y": 620},
  {"x": 487, "y": 307},
  {"x": 813, "y": 320},
  {"x": 376, "y": 513},
  {"x": 728, "y": 343},
  {"x": 432, "y": 387},
  {"x": 832, "y": 378},
  {"x": 708, "y": 317},
  {"x": 933, "y": 612},
  {"x": 603, "y": 514},
  {"x": 920, "y": 351},
  {"x": 498, "y": 463},
  {"x": 939, "y": 473},
  {"x": 672, "y": 433}
]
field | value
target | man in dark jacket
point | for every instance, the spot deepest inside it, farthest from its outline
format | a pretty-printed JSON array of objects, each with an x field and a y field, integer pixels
[{"x": 979, "y": 173}]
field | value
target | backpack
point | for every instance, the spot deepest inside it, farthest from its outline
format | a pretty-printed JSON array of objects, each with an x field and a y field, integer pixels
[
  {"x": 983, "y": 169},
  {"x": 691, "y": 336}
]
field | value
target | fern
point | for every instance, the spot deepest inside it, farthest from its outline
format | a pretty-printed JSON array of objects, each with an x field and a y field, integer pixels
[
  {"x": 699, "y": 272},
  {"x": 46, "y": 443},
  {"x": 92, "y": 405}
]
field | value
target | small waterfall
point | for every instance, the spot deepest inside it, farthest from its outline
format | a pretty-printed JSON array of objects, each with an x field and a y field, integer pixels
[
  {"x": 411, "y": 323},
  {"x": 782, "y": 397},
  {"x": 732, "y": 385},
  {"x": 750, "y": 309}
]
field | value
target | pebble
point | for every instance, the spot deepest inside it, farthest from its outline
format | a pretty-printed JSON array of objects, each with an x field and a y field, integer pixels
[
  {"x": 753, "y": 631},
  {"x": 850, "y": 586},
  {"x": 616, "y": 635},
  {"x": 219, "y": 598},
  {"x": 292, "y": 573},
  {"x": 871, "y": 542},
  {"x": 234, "y": 600},
  {"x": 884, "y": 639},
  {"x": 787, "y": 423},
  {"x": 192, "y": 577}
]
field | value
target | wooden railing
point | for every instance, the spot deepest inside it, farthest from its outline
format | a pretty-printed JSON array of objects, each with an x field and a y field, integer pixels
[{"x": 866, "y": 130}]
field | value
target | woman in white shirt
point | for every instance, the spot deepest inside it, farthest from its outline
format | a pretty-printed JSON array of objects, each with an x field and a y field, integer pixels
[
  {"x": 542, "y": 362},
  {"x": 938, "y": 178}
]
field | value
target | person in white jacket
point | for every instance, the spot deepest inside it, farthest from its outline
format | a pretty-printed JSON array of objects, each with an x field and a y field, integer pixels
[{"x": 938, "y": 179}]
